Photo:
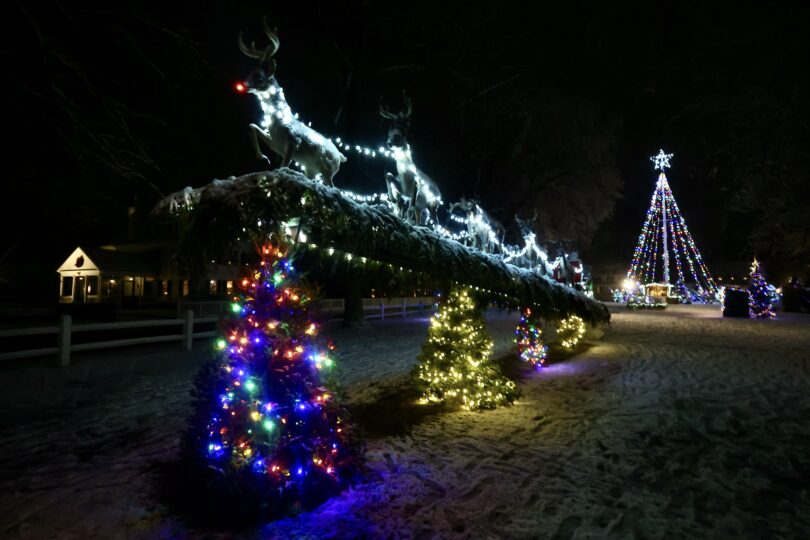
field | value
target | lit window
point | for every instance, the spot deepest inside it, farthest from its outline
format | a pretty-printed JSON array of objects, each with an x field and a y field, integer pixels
[{"x": 92, "y": 285}]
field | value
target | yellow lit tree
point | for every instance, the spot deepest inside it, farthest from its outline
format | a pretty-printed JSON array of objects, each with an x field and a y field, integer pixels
[
  {"x": 570, "y": 331},
  {"x": 455, "y": 365}
]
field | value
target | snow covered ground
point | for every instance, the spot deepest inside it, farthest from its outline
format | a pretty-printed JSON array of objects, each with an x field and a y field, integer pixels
[{"x": 675, "y": 424}]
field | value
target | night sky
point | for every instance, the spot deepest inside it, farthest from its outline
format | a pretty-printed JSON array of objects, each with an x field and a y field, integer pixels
[{"x": 554, "y": 108}]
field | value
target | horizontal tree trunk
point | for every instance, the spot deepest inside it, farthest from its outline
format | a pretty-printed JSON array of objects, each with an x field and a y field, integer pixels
[{"x": 254, "y": 200}]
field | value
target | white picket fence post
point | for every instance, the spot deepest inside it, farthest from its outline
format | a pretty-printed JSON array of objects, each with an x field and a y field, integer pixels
[{"x": 65, "y": 323}]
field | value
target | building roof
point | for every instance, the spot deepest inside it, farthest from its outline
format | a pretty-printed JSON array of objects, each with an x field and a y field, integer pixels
[{"x": 107, "y": 261}]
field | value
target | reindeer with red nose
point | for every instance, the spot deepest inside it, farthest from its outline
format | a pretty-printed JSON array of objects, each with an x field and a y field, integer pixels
[{"x": 281, "y": 131}]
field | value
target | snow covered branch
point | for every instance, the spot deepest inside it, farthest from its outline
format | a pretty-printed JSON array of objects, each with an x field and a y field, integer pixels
[{"x": 333, "y": 220}]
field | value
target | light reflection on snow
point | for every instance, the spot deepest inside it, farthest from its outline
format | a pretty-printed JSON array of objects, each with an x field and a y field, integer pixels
[{"x": 564, "y": 368}]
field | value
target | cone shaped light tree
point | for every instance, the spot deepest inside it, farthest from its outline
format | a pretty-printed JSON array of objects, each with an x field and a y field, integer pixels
[
  {"x": 665, "y": 244},
  {"x": 529, "y": 339},
  {"x": 455, "y": 365},
  {"x": 759, "y": 299},
  {"x": 266, "y": 434}
]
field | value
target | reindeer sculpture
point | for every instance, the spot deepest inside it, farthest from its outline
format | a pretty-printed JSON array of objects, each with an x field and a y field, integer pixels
[
  {"x": 483, "y": 232},
  {"x": 531, "y": 256},
  {"x": 281, "y": 131},
  {"x": 416, "y": 195}
]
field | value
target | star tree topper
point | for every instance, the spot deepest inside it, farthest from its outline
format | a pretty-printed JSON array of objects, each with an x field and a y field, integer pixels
[{"x": 661, "y": 161}]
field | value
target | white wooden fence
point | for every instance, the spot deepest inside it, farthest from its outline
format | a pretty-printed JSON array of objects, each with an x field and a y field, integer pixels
[
  {"x": 66, "y": 329},
  {"x": 193, "y": 313},
  {"x": 373, "y": 308}
]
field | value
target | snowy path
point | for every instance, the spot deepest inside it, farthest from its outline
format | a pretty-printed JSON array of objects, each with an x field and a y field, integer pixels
[{"x": 676, "y": 424}]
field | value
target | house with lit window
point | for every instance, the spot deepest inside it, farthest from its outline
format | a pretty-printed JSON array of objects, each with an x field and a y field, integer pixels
[
  {"x": 97, "y": 275},
  {"x": 134, "y": 274}
]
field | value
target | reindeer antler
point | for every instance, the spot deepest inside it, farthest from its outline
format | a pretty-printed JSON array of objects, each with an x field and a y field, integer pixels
[
  {"x": 401, "y": 116},
  {"x": 385, "y": 113},
  {"x": 404, "y": 115},
  {"x": 272, "y": 35},
  {"x": 250, "y": 52},
  {"x": 264, "y": 56}
]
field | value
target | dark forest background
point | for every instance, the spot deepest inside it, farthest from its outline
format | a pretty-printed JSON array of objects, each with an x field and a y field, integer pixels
[{"x": 526, "y": 106}]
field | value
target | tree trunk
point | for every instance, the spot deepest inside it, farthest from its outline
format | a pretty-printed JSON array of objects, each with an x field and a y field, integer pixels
[{"x": 353, "y": 300}]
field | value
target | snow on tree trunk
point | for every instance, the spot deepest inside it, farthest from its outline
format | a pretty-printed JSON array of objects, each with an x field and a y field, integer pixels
[{"x": 225, "y": 208}]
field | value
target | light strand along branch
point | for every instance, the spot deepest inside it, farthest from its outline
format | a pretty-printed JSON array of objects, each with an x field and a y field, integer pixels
[{"x": 375, "y": 232}]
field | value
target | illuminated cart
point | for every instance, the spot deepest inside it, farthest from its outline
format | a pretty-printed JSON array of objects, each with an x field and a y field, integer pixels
[{"x": 658, "y": 291}]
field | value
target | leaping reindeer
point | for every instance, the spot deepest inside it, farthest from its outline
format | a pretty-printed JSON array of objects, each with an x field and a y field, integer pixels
[
  {"x": 417, "y": 194},
  {"x": 281, "y": 131},
  {"x": 483, "y": 232},
  {"x": 531, "y": 256}
]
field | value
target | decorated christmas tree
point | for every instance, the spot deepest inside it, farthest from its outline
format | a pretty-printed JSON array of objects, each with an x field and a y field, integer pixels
[
  {"x": 759, "y": 299},
  {"x": 666, "y": 245},
  {"x": 266, "y": 436},
  {"x": 455, "y": 365},
  {"x": 570, "y": 331},
  {"x": 528, "y": 337}
]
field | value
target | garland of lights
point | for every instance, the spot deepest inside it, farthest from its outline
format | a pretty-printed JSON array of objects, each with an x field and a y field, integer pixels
[
  {"x": 528, "y": 337},
  {"x": 570, "y": 331},
  {"x": 264, "y": 422},
  {"x": 665, "y": 231},
  {"x": 455, "y": 365}
]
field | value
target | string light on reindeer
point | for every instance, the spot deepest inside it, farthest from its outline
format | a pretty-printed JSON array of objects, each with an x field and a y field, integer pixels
[
  {"x": 281, "y": 131},
  {"x": 417, "y": 196},
  {"x": 411, "y": 194},
  {"x": 482, "y": 232}
]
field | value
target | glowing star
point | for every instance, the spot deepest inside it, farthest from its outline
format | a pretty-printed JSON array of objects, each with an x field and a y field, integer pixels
[{"x": 661, "y": 161}]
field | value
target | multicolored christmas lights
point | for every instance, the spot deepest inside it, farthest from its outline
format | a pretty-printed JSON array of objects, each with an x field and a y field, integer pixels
[
  {"x": 664, "y": 232},
  {"x": 264, "y": 409},
  {"x": 528, "y": 337},
  {"x": 455, "y": 364},
  {"x": 760, "y": 304}
]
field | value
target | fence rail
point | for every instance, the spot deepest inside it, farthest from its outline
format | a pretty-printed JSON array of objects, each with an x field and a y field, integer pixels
[
  {"x": 374, "y": 308},
  {"x": 66, "y": 330},
  {"x": 194, "y": 313}
]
